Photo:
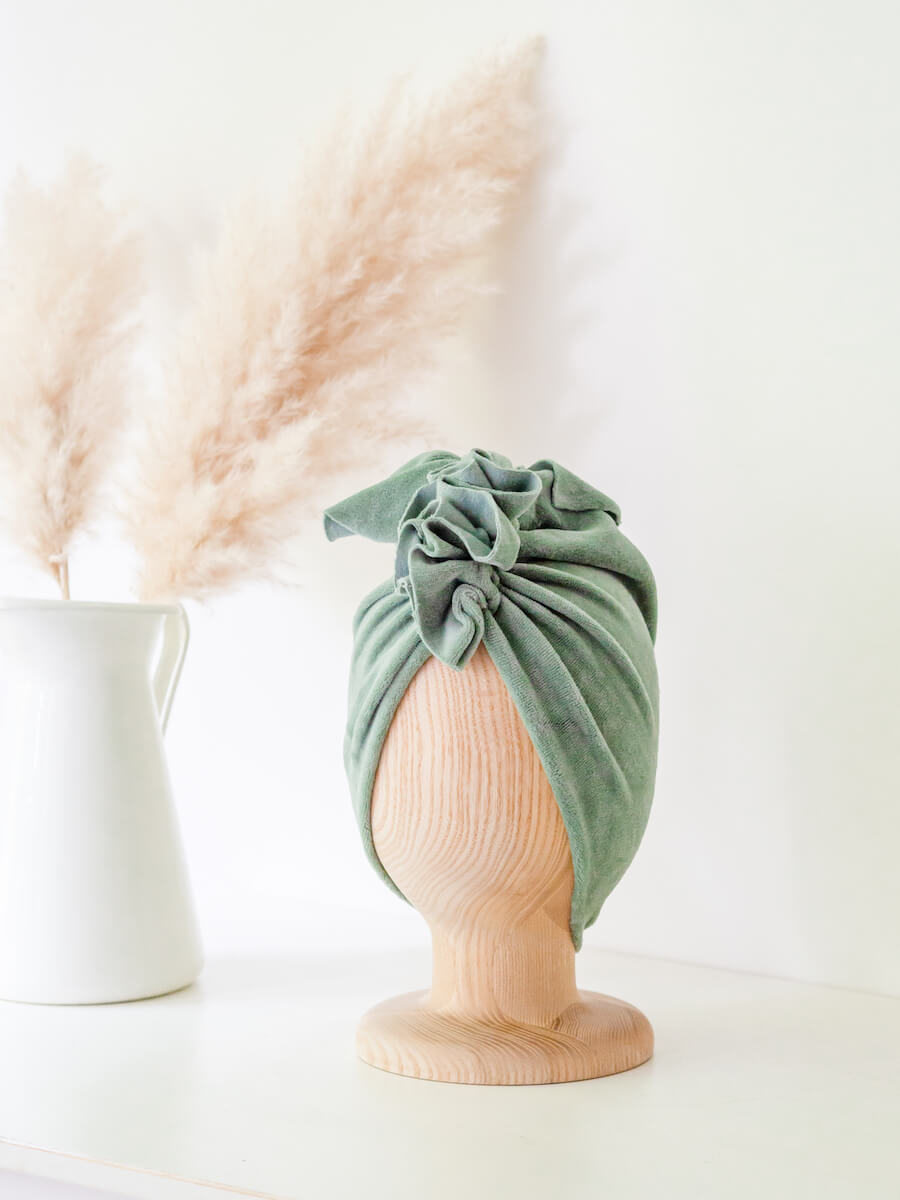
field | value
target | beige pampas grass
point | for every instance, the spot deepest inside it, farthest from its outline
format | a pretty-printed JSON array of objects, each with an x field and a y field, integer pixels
[
  {"x": 308, "y": 322},
  {"x": 70, "y": 276}
]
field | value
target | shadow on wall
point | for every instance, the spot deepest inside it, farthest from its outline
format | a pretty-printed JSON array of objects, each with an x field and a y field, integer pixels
[
  {"x": 551, "y": 266},
  {"x": 572, "y": 346}
]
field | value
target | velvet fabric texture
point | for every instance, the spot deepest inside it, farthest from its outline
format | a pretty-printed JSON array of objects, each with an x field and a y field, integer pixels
[{"x": 532, "y": 563}]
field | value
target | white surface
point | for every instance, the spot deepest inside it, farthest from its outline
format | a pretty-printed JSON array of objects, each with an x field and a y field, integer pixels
[
  {"x": 701, "y": 318},
  {"x": 94, "y": 898},
  {"x": 759, "y": 1087},
  {"x": 15, "y": 1186}
]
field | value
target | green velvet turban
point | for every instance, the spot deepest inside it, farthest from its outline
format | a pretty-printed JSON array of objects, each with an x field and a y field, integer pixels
[{"x": 532, "y": 563}]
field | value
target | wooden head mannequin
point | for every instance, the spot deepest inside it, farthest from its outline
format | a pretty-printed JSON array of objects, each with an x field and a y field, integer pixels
[{"x": 466, "y": 824}]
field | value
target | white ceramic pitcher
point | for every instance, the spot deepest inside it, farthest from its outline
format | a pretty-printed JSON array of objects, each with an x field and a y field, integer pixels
[{"x": 95, "y": 904}]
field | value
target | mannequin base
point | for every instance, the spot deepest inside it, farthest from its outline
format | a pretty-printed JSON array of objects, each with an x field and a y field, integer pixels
[{"x": 597, "y": 1036}]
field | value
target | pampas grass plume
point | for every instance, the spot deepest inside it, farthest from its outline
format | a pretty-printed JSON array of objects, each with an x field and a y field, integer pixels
[
  {"x": 308, "y": 321},
  {"x": 69, "y": 281}
]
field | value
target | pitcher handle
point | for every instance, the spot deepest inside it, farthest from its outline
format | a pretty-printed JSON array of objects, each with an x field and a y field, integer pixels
[{"x": 176, "y": 635}]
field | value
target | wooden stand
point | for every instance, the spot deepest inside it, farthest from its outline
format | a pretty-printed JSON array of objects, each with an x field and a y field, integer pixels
[{"x": 465, "y": 823}]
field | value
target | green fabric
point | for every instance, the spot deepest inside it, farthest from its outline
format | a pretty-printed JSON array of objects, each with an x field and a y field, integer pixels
[{"x": 532, "y": 563}]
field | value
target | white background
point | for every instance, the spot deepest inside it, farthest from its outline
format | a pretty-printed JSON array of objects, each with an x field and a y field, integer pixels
[{"x": 700, "y": 316}]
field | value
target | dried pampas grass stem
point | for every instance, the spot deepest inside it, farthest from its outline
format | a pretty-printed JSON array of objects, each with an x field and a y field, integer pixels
[
  {"x": 69, "y": 280},
  {"x": 307, "y": 323}
]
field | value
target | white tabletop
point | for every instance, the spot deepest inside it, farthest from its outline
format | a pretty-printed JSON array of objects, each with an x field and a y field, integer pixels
[{"x": 248, "y": 1083}]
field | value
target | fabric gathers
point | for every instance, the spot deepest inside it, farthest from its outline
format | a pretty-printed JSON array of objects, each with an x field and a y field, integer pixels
[{"x": 530, "y": 562}]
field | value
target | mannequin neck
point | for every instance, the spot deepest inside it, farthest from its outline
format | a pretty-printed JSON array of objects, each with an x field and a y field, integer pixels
[{"x": 488, "y": 969}]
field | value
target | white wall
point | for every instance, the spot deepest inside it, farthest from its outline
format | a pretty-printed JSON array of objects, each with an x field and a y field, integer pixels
[{"x": 701, "y": 316}]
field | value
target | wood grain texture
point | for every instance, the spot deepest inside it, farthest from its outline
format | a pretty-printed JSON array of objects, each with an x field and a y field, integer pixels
[{"x": 465, "y": 822}]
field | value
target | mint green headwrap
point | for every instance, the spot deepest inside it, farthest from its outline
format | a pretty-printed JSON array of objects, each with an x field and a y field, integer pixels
[{"x": 532, "y": 563}]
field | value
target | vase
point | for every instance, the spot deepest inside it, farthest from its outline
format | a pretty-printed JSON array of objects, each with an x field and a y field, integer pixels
[{"x": 95, "y": 902}]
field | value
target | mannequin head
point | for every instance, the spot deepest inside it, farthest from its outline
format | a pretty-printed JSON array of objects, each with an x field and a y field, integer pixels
[{"x": 463, "y": 817}]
